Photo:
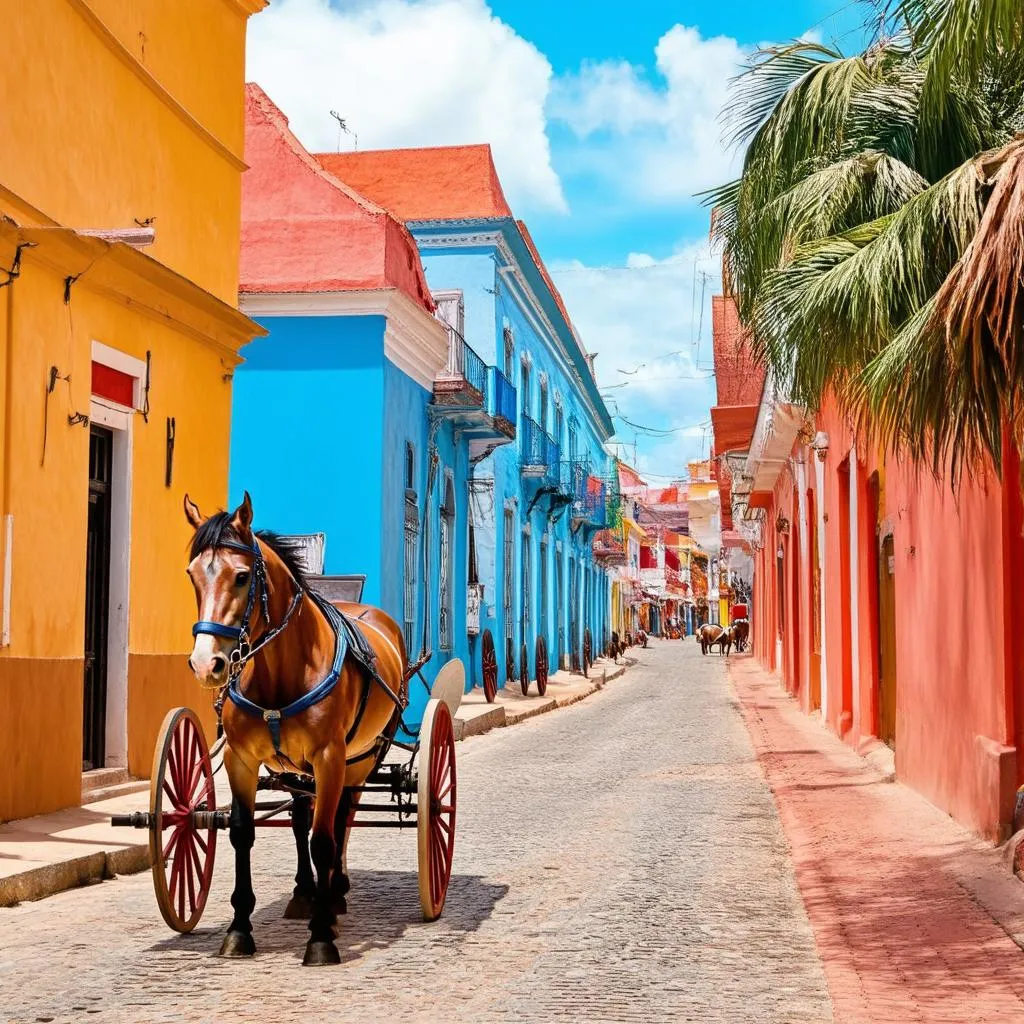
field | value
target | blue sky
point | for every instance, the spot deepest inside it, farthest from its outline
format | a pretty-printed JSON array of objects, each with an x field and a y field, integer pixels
[{"x": 603, "y": 120}]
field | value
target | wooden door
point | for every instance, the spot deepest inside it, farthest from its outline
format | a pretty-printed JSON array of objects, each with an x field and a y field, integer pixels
[
  {"x": 887, "y": 643},
  {"x": 97, "y": 599},
  {"x": 814, "y": 572}
]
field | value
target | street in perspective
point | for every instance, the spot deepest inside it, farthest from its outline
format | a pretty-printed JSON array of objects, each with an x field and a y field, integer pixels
[{"x": 511, "y": 511}]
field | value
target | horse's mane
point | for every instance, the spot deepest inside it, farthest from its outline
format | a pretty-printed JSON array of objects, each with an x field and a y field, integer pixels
[{"x": 218, "y": 529}]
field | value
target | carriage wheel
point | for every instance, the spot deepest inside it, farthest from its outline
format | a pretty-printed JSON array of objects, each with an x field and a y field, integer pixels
[
  {"x": 435, "y": 807},
  {"x": 489, "y": 659},
  {"x": 182, "y": 855},
  {"x": 524, "y": 670},
  {"x": 510, "y": 660},
  {"x": 542, "y": 665}
]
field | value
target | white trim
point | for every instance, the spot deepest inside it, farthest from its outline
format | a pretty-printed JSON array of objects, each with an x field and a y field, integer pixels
[
  {"x": 118, "y": 419},
  {"x": 414, "y": 341},
  {"x": 5, "y": 623},
  {"x": 123, "y": 363},
  {"x": 854, "y": 581},
  {"x": 819, "y": 476}
]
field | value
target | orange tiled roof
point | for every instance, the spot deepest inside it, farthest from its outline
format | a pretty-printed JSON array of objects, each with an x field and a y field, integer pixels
[
  {"x": 305, "y": 231},
  {"x": 429, "y": 183}
]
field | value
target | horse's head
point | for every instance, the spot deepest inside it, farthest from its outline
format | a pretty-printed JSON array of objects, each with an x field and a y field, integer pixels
[{"x": 222, "y": 571}]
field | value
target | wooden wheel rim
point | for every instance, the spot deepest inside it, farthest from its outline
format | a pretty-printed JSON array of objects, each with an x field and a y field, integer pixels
[
  {"x": 489, "y": 664},
  {"x": 435, "y": 807},
  {"x": 181, "y": 782},
  {"x": 524, "y": 670},
  {"x": 542, "y": 665}
]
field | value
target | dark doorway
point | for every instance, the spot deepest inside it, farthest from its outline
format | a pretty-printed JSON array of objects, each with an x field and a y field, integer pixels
[{"x": 97, "y": 594}]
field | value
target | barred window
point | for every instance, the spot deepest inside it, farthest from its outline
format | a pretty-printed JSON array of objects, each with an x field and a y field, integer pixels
[
  {"x": 447, "y": 610},
  {"x": 507, "y": 569}
]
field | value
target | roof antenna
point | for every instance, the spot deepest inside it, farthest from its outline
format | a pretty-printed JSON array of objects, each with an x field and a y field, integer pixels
[{"x": 342, "y": 127}]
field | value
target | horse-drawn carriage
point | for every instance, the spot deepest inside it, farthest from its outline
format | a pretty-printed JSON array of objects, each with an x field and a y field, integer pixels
[{"x": 354, "y": 714}]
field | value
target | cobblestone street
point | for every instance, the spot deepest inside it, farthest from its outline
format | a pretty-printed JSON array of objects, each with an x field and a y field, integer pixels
[{"x": 620, "y": 860}]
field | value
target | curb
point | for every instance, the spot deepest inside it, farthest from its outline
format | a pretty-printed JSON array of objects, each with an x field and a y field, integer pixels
[{"x": 38, "y": 883}]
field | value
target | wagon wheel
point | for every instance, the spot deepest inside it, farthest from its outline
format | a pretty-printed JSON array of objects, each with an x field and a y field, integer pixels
[
  {"x": 435, "y": 807},
  {"x": 524, "y": 670},
  {"x": 510, "y": 660},
  {"x": 490, "y": 666},
  {"x": 588, "y": 651},
  {"x": 181, "y": 783},
  {"x": 542, "y": 665}
]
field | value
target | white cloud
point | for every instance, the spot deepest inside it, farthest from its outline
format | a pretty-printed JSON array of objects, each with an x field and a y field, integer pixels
[
  {"x": 649, "y": 321},
  {"x": 664, "y": 138},
  {"x": 411, "y": 73}
]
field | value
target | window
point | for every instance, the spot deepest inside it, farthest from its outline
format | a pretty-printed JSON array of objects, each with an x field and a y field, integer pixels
[
  {"x": 411, "y": 561},
  {"x": 542, "y": 626},
  {"x": 447, "y": 569},
  {"x": 542, "y": 417},
  {"x": 510, "y": 353},
  {"x": 559, "y": 422},
  {"x": 572, "y": 440},
  {"x": 524, "y": 390},
  {"x": 410, "y": 466},
  {"x": 527, "y": 596},
  {"x": 508, "y": 568}
]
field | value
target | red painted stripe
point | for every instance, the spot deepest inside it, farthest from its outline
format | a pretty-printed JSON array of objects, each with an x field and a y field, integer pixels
[{"x": 113, "y": 384}]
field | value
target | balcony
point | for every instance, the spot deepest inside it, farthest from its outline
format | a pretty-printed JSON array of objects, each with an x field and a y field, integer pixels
[
  {"x": 588, "y": 494},
  {"x": 609, "y": 549},
  {"x": 477, "y": 399},
  {"x": 538, "y": 451}
]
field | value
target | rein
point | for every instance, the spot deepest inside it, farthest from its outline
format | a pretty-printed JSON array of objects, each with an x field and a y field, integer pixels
[{"x": 244, "y": 651}]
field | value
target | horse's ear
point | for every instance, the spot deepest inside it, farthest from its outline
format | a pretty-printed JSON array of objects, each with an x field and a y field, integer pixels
[
  {"x": 192, "y": 514},
  {"x": 241, "y": 518}
]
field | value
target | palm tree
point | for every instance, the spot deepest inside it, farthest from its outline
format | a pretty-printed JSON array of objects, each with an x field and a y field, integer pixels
[{"x": 875, "y": 238}]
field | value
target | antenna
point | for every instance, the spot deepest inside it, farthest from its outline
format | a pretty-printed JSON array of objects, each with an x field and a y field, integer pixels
[
  {"x": 343, "y": 127},
  {"x": 704, "y": 278}
]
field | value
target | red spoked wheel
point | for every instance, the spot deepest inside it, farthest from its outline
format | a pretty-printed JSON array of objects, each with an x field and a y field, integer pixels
[
  {"x": 435, "y": 807},
  {"x": 182, "y": 853},
  {"x": 489, "y": 660},
  {"x": 542, "y": 665},
  {"x": 524, "y": 670}
]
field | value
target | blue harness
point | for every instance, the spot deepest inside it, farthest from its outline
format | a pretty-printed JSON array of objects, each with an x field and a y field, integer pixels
[{"x": 347, "y": 639}]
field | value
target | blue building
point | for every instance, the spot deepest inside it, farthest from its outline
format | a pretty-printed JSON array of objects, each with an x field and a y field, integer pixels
[
  {"x": 336, "y": 432},
  {"x": 535, "y": 504}
]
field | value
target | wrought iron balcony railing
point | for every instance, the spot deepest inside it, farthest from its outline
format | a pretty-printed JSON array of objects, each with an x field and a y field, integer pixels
[
  {"x": 504, "y": 398},
  {"x": 538, "y": 449},
  {"x": 464, "y": 379}
]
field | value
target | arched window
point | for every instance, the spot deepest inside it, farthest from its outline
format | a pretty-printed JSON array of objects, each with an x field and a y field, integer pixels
[{"x": 447, "y": 567}]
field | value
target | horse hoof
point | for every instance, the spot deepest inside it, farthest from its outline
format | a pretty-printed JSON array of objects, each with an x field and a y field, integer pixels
[
  {"x": 237, "y": 944},
  {"x": 300, "y": 908},
  {"x": 320, "y": 954}
]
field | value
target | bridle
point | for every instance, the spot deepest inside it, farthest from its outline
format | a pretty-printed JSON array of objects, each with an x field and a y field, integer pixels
[{"x": 259, "y": 594}]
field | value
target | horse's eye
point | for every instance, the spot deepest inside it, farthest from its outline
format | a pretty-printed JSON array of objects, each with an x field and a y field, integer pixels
[{"x": 241, "y": 579}]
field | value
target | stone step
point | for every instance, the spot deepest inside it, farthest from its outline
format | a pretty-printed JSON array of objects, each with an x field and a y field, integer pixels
[
  {"x": 102, "y": 778},
  {"x": 119, "y": 789}
]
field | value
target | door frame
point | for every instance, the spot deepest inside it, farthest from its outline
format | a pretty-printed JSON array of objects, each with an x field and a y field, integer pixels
[{"x": 117, "y": 419}]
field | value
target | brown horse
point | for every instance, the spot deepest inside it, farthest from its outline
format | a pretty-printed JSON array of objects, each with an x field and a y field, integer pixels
[
  {"x": 710, "y": 634},
  {"x": 740, "y": 633},
  {"x": 298, "y": 701}
]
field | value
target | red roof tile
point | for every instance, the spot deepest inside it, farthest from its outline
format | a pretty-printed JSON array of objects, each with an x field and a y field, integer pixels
[
  {"x": 303, "y": 230},
  {"x": 431, "y": 183}
]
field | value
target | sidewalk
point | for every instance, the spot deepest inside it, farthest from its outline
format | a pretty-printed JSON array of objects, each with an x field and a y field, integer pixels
[
  {"x": 915, "y": 919},
  {"x": 78, "y": 846}
]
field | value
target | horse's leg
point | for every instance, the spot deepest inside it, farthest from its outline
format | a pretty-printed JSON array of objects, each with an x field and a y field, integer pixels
[
  {"x": 300, "y": 906},
  {"x": 339, "y": 877},
  {"x": 238, "y": 942},
  {"x": 329, "y": 772}
]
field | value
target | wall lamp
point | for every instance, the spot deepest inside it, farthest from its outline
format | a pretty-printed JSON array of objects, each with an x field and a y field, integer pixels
[{"x": 820, "y": 445}]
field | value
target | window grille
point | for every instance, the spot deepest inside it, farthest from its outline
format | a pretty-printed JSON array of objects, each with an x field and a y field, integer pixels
[
  {"x": 527, "y": 596},
  {"x": 510, "y": 353},
  {"x": 507, "y": 570},
  {"x": 542, "y": 627},
  {"x": 447, "y": 610}
]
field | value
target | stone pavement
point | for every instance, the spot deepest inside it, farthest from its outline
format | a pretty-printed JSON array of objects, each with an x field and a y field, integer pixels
[
  {"x": 619, "y": 861},
  {"x": 916, "y": 919}
]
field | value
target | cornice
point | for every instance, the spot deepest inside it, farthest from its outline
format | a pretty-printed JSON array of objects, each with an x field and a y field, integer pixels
[{"x": 415, "y": 341}]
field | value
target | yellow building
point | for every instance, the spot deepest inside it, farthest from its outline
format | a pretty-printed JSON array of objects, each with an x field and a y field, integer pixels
[{"x": 122, "y": 119}]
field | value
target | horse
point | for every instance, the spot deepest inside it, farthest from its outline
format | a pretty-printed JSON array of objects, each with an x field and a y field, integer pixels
[
  {"x": 710, "y": 634},
  {"x": 307, "y": 687},
  {"x": 641, "y": 638},
  {"x": 740, "y": 632},
  {"x": 615, "y": 647}
]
